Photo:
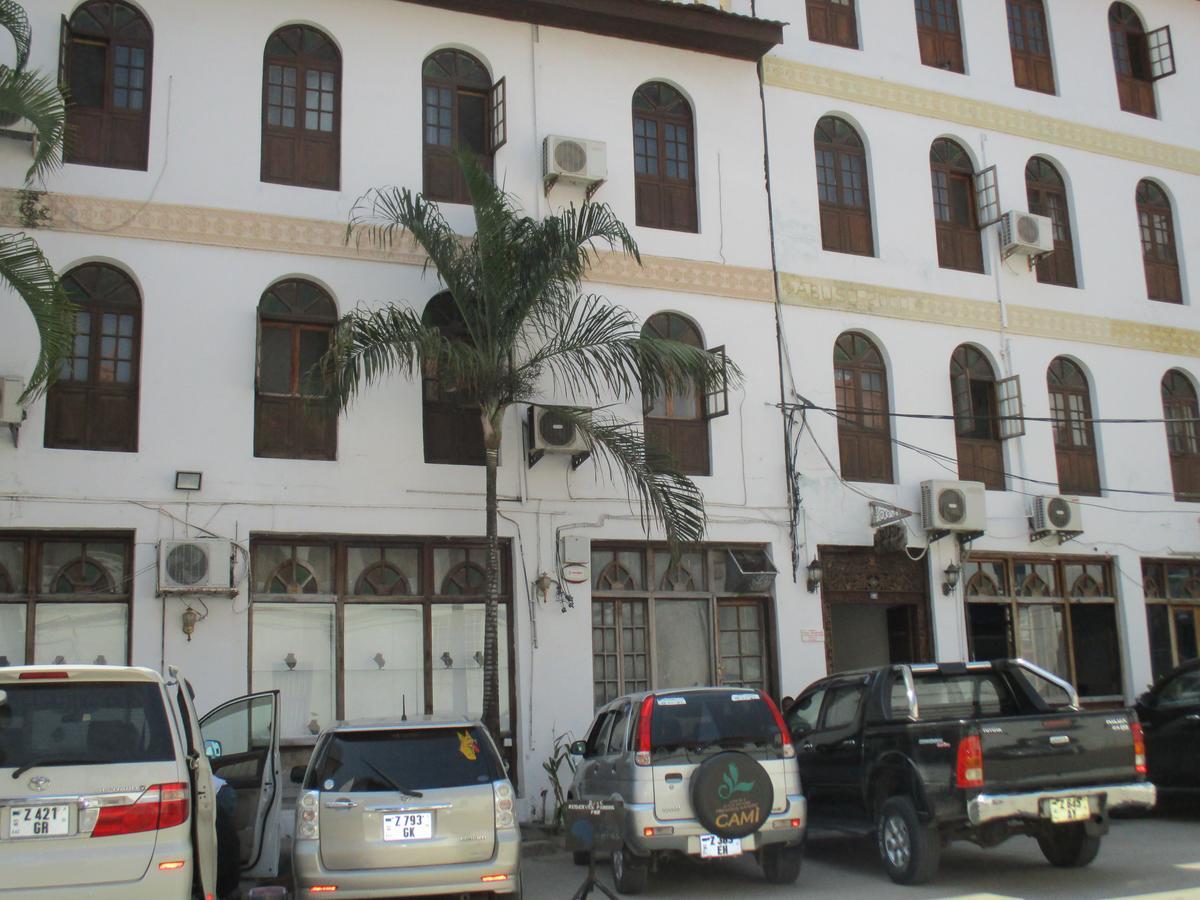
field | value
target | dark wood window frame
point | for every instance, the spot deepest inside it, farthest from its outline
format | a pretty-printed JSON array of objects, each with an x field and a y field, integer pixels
[
  {"x": 832, "y": 22},
  {"x": 864, "y": 423},
  {"x": 339, "y": 594},
  {"x": 295, "y": 422},
  {"x": 664, "y": 159},
  {"x": 1029, "y": 41},
  {"x": 976, "y": 423},
  {"x": 1069, "y": 584},
  {"x": 955, "y": 202},
  {"x": 1181, "y": 409},
  {"x": 1140, "y": 58},
  {"x": 939, "y": 34},
  {"x": 1160, "y": 259},
  {"x": 678, "y": 423},
  {"x": 1074, "y": 431},
  {"x": 462, "y": 108},
  {"x": 619, "y": 584},
  {"x": 107, "y": 124},
  {"x": 843, "y": 188},
  {"x": 302, "y": 109},
  {"x": 24, "y": 585},
  {"x": 1046, "y": 192},
  {"x": 94, "y": 403},
  {"x": 1172, "y": 591},
  {"x": 452, "y": 426}
]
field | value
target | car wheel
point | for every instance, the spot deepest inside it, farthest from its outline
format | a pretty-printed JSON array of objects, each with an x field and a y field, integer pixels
[
  {"x": 630, "y": 872},
  {"x": 581, "y": 857},
  {"x": 781, "y": 864},
  {"x": 1069, "y": 846},
  {"x": 910, "y": 850}
]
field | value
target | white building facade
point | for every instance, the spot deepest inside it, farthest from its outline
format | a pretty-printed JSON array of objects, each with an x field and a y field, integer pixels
[{"x": 201, "y": 225}]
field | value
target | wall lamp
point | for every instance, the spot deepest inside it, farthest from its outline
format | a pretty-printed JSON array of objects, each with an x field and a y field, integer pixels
[
  {"x": 188, "y": 481},
  {"x": 952, "y": 572},
  {"x": 814, "y": 575}
]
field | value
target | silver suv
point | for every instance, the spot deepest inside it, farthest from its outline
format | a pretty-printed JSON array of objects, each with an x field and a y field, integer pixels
[
  {"x": 705, "y": 772},
  {"x": 399, "y": 809}
]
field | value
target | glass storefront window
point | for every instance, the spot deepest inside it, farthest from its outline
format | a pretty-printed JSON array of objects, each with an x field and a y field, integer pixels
[
  {"x": 682, "y": 638},
  {"x": 1042, "y": 638},
  {"x": 293, "y": 653},
  {"x": 90, "y": 633},
  {"x": 1172, "y": 612},
  {"x": 12, "y": 634},
  {"x": 384, "y": 660},
  {"x": 457, "y": 645}
]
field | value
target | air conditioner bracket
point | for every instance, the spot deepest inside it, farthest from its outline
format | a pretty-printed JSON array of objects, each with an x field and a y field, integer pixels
[
  {"x": 578, "y": 459},
  {"x": 535, "y": 456},
  {"x": 1063, "y": 536},
  {"x": 548, "y": 183},
  {"x": 231, "y": 593},
  {"x": 591, "y": 189},
  {"x": 965, "y": 537}
]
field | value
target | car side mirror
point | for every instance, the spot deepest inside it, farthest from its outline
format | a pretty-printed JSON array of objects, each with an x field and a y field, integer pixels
[
  {"x": 298, "y": 774},
  {"x": 578, "y": 748},
  {"x": 212, "y": 748}
]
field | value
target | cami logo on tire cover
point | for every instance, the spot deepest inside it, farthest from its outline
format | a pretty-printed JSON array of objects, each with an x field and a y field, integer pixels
[{"x": 735, "y": 811}]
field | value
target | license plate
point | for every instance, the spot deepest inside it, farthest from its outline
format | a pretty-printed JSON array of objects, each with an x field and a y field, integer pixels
[
  {"x": 1069, "y": 809},
  {"x": 713, "y": 847},
  {"x": 407, "y": 826},
  {"x": 38, "y": 821}
]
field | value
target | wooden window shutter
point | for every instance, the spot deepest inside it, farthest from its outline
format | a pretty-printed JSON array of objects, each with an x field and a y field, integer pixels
[
  {"x": 1161, "y": 53},
  {"x": 499, "y": 130},
  {"x": 716, "y": 398},
  {"x": 987, "y": 198},
  {"x": 1010, "y": 407},
  {"x": 64, "y": 51}
]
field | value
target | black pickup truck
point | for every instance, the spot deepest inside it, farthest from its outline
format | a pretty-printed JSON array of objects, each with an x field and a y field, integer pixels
[{"x": 928, "y": 754}]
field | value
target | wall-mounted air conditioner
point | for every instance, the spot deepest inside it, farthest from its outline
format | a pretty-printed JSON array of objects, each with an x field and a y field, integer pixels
[
  {"x": 550, "y": 431},
  {"x": 1057, "y": 516},
  {"x": 194, "y": 566},
  {"x": 1026, "y": 234},
  {"x": 574, "y": 160},
  {"x": 954, "y": 506}
]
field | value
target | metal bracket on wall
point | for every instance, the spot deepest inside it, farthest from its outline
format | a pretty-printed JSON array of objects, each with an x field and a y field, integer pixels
[
  {"x": 1063, "y": 536},
  {"x": 14, "y": 428},
  {"x": 965, "y": 537},
  {"x": 578, "y": 459}
]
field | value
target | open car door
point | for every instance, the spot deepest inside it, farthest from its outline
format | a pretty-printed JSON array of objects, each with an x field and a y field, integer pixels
[
  {"x": 241, "y": 740},
  {"x": 204, "y": 805}
]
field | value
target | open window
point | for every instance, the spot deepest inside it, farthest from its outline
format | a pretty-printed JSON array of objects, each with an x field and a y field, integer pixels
[
  {"x": 241, "y": 742},
  {"x": 463, "y": 109},
  {"x": 676, "y": 421},
  {"x": 1140, "y": 58},
  {"x": 976, "y": 418}
]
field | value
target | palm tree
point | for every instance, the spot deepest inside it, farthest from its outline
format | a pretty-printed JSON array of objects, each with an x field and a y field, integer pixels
[
  {"x": 517, "y": 292},
  {"x": 28, "y": 94}
]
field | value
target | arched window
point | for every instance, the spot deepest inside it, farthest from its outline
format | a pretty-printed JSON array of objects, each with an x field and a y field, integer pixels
[
  {"x": 302, "y": 109},
  {"x": 864, "y": 426},
  {"x": 105, "y": 62},
  {"x": 1131, "y": 59},
  {"x": 1074, "y": 436},
  {"x": 664, "y": 159},
  {"x": 842, "y": 188},
  {"x": 976, "y": 426},
  {"x": 453, "y": 429},
  {"x": 676, "y": 422},
  {"x": 292, "y": 420},
  {"x": 94, "y": 403},
  {"x": 462, "y": 109},
  {"x": 1029, "y": 40},
  {"x": 1158, "y": 243},
  {"x": 832, "y": 22},
  {"x": 958, "y": 242},
  {"x": 1047, "y": 195},
  {"x": 939, "y": 34},
  {"x": 1181, "y": 410}
]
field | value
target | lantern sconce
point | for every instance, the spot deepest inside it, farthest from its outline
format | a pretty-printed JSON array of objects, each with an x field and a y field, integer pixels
[
  {"x": 814, "y": 574},
  {"x": 952, "y": 573},
  {"x": 447, "y": 659}
]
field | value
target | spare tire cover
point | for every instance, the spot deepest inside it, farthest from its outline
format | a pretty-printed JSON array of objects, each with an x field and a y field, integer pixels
[{"x": 732, "y": 794}]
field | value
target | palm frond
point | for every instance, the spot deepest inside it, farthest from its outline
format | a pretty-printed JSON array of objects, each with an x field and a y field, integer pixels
[
  {"x": 588, "y": 346},
  {"x": 368, "y": 345},
  {"x": 25, "y": 269},
  {"x": 14, "y": 19},
  {"x": 665, "y": 496},
  {"x": 665, "y": 364},
  {"x": 33, "y": 96}
]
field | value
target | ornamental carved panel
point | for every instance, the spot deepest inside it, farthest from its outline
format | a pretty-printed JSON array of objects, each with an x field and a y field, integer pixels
[{"x": 863, "y": 571}]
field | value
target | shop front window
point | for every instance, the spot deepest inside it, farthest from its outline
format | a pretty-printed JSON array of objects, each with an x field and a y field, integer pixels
[{"x": 1172, "y": 592}]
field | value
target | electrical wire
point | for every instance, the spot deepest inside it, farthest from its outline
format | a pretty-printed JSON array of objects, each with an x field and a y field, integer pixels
[{"x": 950, "y": 417}]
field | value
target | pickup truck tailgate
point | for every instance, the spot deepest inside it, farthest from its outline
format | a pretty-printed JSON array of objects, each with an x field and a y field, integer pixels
[{"x": 1063, "y": 749}]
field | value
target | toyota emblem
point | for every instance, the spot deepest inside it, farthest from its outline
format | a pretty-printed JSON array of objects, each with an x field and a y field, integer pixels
[{"x": 39, "y": 782}]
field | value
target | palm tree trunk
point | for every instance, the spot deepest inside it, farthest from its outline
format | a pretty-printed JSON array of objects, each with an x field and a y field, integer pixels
[{"x": 491, "y": 679}]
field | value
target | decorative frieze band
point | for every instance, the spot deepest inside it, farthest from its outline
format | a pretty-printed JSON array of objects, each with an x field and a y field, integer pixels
[
  {"x": 811, "y": 79},
  {"x": 314, "y": 237}
]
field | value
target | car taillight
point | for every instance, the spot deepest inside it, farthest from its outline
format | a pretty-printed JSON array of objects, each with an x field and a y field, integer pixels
[
  {"x": 1139, "y": 748},
  {"x": 789, "y": 751},
  {"x": 504, "y": 804},
  {"x": 159, "y": 806},
  {"x": 642, "y": 755},
  {"x": 308, "y": 824},
  {"x": 969, "y": 771}
]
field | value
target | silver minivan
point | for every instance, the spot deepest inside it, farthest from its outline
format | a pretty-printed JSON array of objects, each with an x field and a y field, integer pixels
[
  {"x": 106, "y": 790},
  {"x": 706, "y": 772},
  {"x": 405, "y": 808}
]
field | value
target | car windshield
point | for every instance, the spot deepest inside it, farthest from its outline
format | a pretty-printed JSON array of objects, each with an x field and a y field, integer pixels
[
  {"x": 65, "y": 723},
  {"x": 404, "y": 759},
  {"x": 694, "y": 721}
]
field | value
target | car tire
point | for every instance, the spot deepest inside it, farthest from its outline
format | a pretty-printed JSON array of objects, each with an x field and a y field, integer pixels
[
  {"x": 910, "y": 850},
  {"x": 781, "y": 863},
  {"x": 630, "y": 872},
  {"x": 1069, "y": 846},
  {"x": 580, "y": 857}
]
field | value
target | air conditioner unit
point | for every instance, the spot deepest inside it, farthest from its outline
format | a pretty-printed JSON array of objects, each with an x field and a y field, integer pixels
[
  {"x": 1026, "y": 233},
  {"x": 552, "y": 432},
  {"x": 194, "y": 566},
  {"x": 574, "y": 160},
  {"x": 1059, "y": 516},
  {"x": 958, "y": 506},
  {"x": 11, "y": 387}
]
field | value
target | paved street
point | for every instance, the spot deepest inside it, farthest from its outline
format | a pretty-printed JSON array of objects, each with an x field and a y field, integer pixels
[{"x": 1157, "y": 857}]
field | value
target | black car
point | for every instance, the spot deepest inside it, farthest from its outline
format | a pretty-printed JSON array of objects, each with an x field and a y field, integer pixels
[{"x": 1170, "y": 714}]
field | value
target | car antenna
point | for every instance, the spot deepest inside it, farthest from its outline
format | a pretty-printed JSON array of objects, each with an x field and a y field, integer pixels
[{"x": 403, "y": 707}]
